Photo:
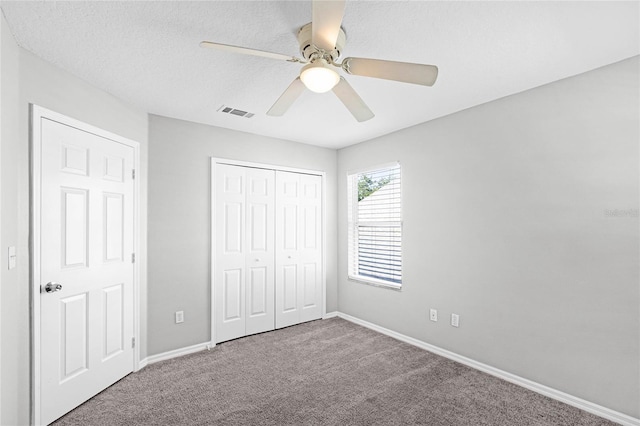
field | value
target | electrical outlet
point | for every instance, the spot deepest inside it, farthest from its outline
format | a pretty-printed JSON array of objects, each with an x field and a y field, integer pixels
[
  {"x": 179, "y": 317},
  {"x": 433, "y": 314},
  {"x": 455, "y": 320}
]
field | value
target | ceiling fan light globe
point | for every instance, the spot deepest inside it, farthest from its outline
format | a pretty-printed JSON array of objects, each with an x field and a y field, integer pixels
[{"x": 319, "y": 77}]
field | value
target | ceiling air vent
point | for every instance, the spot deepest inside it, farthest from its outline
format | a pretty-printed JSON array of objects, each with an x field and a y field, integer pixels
[{"x": 233, "y": 111}]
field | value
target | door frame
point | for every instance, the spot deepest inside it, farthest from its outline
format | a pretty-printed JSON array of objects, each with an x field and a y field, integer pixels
[
  {"x": 214, "y": 162},
  {"x": 37, "y": 114}
]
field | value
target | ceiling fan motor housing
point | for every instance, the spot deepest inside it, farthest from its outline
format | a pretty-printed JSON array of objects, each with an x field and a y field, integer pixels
[{"x": 308, "y": 50}]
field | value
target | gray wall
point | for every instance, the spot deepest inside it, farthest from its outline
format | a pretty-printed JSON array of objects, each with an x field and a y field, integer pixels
[
  {"x": 179, "y": 219},
  {"x": 505, "y": 224},
  {"x": 2, "y": 26},
  {"x": 12, "y": 346},
  {"x": 38, "y": 82}
]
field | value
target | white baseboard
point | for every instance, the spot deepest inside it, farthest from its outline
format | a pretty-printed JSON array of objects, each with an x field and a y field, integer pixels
[
  {"x": 195, "y": 348},
  {"x": 175, "y": 353},
  {"x": 142, "y": 364},
  {"x": 582, "y": 404}
]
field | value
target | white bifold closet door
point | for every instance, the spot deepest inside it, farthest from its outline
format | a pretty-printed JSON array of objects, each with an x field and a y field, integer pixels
[
  {"x": 298, "y": 248},
  {"x": 267, "y": 270},
  {"x": 244, "y": 247}
]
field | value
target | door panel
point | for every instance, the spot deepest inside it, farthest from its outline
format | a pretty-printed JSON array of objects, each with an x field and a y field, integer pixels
[
  {"x": 113, "y": 321},
  {"x": 86, "y": 237},
  {"x": 289, "y": 223},
  {"x": 260, "y": 259},
  {"x": 287, "y": 242},
  {"x": 232, "y": 231},
  {"x": 113, "y": 168},
  {"x": 229, "y": 261},
  {"x": 258, "y": 291},
  {"x": 233, "y": 182},
  {"x": 75, "y": 159},
  {"x": 113, "y": 233},
  {"x": 309, "y": 287},
  {"x": 259, "y": 227},
  {"x": 243, "y": 270},
  {"x": 74, "y": 337},
  {"x": 290, "y": 289},
  {"x": 260, "y": 182},
  {"x": 298, "y": 248},
  {"x": 310, "y": 301},
  {"x": 74, "y": 227},
  {"x": 232, "y": 295},
  {"x": 309, "y": 226}
]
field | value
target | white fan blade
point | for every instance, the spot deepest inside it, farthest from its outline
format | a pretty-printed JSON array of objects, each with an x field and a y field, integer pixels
[
  {"x": 287, "y": 99},
  {"x": 390, "y": 70},
  {"x": 326, "y": 18},
  {"x": 247, "y": 51},
  {"x": 352, "y": 101}
]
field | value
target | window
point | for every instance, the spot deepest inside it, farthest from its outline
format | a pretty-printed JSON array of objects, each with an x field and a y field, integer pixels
[{"x": 375, "y": 226}]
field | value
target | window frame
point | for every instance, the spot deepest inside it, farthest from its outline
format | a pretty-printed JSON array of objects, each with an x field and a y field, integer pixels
[{"x": 353, "y": 224}]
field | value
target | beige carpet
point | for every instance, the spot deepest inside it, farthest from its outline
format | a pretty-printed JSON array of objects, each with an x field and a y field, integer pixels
[{"x": 328, "y": 372}]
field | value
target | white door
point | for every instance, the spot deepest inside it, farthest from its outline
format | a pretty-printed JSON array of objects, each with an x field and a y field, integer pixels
[
  {"x": 298, "y": 248},
  {"x": 86, "y": 246},
  {"x": 244, "y": 251},
  {"x": 230, "y": 196},
  {"x": 260, "y": 257}
]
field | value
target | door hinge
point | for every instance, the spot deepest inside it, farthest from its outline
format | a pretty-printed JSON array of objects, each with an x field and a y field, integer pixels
[
  {"x": 133, "y": 173},
  {"x": 133, "y": 258},
  {"x": 133, "y": 342}
]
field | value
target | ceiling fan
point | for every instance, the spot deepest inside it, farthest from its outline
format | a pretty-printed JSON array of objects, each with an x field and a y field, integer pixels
[{"x": 321, "y": 43}]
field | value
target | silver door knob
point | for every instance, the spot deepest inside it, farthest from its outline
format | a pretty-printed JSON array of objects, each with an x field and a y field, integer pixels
[
  {"x": 257, "y": 259},
  {"x": 52, "y": 287}
]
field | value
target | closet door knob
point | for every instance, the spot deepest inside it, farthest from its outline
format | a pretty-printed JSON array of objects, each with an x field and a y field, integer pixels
[{"x": 257, "y": 259}]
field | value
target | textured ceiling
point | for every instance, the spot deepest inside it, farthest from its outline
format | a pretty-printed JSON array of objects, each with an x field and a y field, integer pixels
[{"x": 147, "y": 54}]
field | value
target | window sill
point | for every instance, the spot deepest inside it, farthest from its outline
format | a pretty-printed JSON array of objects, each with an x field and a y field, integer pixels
[{"x": 375, "y": 283}]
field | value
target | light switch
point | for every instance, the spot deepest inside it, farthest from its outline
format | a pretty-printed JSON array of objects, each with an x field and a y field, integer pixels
[{"x": 12, "y": 257}]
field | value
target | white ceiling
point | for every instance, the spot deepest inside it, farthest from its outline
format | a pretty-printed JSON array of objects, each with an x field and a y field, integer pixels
[{"x": 147, "y": 54}]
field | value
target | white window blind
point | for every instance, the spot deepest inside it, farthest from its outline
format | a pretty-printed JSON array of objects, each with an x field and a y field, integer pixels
[{"x": 375, "y": 226}]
